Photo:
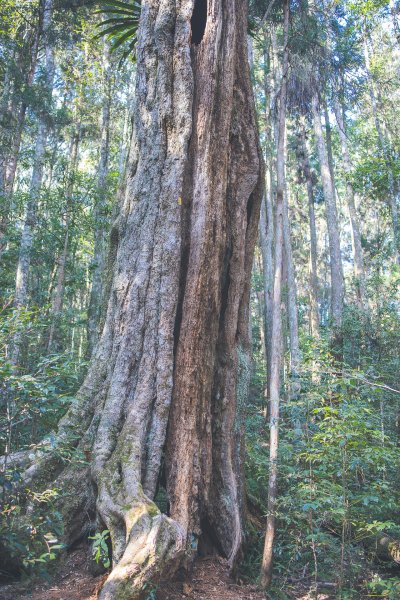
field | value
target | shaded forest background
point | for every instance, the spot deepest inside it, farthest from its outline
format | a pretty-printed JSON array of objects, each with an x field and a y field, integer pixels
[{"x": 66, "y": 106}]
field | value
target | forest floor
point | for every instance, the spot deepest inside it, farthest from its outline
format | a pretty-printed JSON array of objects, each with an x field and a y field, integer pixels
[{"x": 73, "y": 581}]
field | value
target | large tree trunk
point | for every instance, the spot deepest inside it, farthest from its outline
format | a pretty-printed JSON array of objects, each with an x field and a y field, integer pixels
[
  {"x": 175, "y": 348},
  {"x": 337, "y": 281}
]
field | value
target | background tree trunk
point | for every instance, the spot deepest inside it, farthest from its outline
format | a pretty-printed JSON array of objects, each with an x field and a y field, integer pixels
[
  {"x": 267, "y": 216},
  {"x": 100, "y": 220},
  {"x": 57, "y": 301},
  {"x": 27, "y": 237},
  {"x": 337, "y": 281},
  {"x": 359, "y": 271},
  {"x": 266, "y": 244},
  {"x": 276, "y": 345},
  {"x": 11, "y": 133},
  {"x": 291, "y": 298},
  {"x": 313, "y": 287},
  {"x": 384, "y": 146}
]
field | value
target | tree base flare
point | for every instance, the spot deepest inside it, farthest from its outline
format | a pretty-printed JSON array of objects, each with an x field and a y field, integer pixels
[{"x": 156, "y": 545}]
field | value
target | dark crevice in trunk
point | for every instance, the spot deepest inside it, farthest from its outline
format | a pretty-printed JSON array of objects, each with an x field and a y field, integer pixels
[
  {"x": 208, "y": 543},
  {"x": 199, "y": 21}
]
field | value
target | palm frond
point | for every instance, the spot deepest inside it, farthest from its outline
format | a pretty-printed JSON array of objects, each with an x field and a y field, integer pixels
[{"x": 121, "y": 25}]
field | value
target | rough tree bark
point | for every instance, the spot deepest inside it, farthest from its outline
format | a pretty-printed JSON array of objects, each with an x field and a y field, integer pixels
[{"x": 175, "y": 348}]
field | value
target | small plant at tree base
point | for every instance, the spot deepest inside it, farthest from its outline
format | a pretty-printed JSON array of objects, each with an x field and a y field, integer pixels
[
  {"x": 100, "y": 548},
  {"x": 150, "y": 590},
  {"x": 385, "y": 588}
]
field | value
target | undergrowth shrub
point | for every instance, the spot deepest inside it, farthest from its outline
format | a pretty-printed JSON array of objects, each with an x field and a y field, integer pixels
[
  {"x": 32, "y": 401},
  {"x": 339, "y": 490}
]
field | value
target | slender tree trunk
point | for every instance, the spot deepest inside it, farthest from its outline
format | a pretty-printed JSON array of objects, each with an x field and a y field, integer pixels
[
  {"x": 5, "y": 132},
  {"x": 11, "y": 142},
  {"x": 175, "y": 345},
  {"x": 328, "y": 136},
  {"x": 13, "y": 158},
  {"x": 384, "y": 147},
  {"x": 58, "y": 297},
  {"x": 21, "y": 287},
  {"x": 337, "y": 281},
  {"x": 395, "y": 12},
  {"x": 266, "y": 244},
  {"x": 57, "y": 303},
  {"x": 291, "y": 299},
  {"x": 27, "y": 237},
  {"x": 313, "y": 286},
  {"x": 266, "y": 567},
  {"x": 100, "y": 217},
  {"x": 359, "y": 271},
  {"x": 267, "y": 222}
]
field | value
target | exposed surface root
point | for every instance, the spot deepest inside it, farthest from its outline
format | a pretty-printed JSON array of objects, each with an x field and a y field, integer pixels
[{"x": 155, "y": 544}]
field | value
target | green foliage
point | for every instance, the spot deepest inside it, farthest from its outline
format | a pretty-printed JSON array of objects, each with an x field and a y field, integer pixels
[
  {"x": 150, "y": 591},
  {"x": 27, "y": 541},
  {"x": 385, "y": 588},
  {"x": 368, "y": 8},
  {"x": 100, "y": 550},
  {"x": 32, "y": 402},
  {"x": 338, "y": 485}
]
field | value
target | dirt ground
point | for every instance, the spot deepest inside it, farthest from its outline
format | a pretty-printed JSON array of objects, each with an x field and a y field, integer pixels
[{"x": 210, "y": 580}]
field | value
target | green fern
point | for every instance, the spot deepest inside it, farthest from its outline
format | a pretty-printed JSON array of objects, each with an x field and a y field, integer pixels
[{"x": 121, "y": 26}]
